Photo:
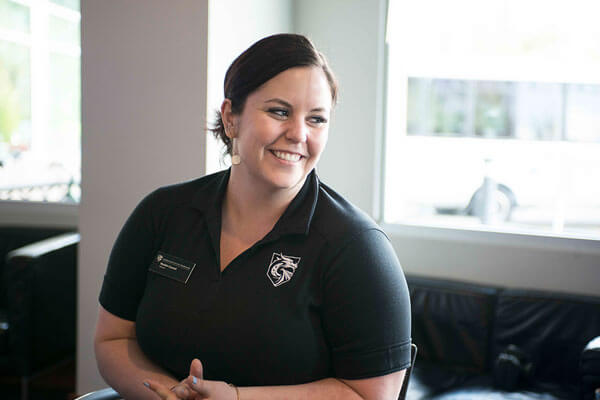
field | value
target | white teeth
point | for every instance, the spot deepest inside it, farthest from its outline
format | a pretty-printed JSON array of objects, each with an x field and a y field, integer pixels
[{"x": 287, "y": 156}]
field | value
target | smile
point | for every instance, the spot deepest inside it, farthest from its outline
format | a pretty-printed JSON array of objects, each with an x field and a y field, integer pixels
[{"x": 284, "y": 155}]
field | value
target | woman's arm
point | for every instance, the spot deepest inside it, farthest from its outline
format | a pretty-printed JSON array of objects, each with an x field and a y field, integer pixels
[
  {"x": 386, "y": 387},
  {"x": 120, "y": 360}
]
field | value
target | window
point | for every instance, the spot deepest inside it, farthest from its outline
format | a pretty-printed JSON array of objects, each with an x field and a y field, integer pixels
[
  {"x": 40, "y": 100},
  {"x": 494, "y": 116}
]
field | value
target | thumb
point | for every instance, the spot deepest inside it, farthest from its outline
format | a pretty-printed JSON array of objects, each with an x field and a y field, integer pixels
[{"x": 196, "y": 369}]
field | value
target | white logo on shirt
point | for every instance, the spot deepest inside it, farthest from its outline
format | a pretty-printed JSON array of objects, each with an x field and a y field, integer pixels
[{"x": 282, "y": 268}]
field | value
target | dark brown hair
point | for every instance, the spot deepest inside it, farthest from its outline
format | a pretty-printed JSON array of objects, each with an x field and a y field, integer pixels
[{"x": 261, "y": 62}]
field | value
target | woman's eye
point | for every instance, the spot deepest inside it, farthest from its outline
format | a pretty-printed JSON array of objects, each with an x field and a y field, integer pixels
[
  {"x": 318, "y": 120},
  {"x": 279, "y": 112}
]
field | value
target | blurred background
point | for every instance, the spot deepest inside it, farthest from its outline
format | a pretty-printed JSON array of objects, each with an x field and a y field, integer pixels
[{"x": 40, "y": 100}]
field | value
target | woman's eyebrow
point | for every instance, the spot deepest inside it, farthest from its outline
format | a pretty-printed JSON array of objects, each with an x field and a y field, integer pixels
[
  {"x": 285, "y": 103},
  {"x": 277, "y": 100}
]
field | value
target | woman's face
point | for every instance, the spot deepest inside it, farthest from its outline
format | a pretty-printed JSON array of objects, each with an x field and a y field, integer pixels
[{"x": 283, "y": 128}]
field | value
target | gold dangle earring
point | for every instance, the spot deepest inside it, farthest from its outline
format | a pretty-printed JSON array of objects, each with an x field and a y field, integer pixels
[{"x": 235, "y": 158}]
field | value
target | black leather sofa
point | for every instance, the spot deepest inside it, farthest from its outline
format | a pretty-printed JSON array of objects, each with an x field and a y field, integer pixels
[
  {"x": 38, "y": 275},
  {"x": 484, "y": 342}
]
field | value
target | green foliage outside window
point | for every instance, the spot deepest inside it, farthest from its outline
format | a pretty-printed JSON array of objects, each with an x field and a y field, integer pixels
[
  {"x": 15, "y": 93},
  {"x": 9, "y": 106}
]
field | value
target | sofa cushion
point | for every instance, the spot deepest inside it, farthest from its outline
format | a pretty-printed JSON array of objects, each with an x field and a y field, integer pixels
[
  {"x": 430, "y": 380},
  {"x": 552, "y": 328},
  {"x": 13, "y": 237},
  {"x": 452, "y": 323},
  {"x": 488, "y": 393}
]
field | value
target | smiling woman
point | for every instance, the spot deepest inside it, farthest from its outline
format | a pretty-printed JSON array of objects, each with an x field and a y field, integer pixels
[{"x": 250, "y": 275}]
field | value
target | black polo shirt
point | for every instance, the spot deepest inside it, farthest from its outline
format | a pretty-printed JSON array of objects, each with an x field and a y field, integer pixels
[{"x": 321, "y": 295}]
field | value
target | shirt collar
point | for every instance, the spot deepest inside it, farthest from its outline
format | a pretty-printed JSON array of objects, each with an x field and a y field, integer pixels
[
  {"x": 209, "y": 197},
  {"x": 296, "y": 219},
  {"x": 299, "y": 214}
]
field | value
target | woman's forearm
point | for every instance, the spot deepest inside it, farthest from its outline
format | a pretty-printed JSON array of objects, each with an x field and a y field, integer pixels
[
  {"x": 329, "y": 388},
  {"x": 383, "y": 387},
  {"x": 124, "y": 367}
]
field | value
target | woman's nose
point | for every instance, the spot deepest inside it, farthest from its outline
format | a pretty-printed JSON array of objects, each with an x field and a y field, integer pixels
[{"x": 298, "y": 130}]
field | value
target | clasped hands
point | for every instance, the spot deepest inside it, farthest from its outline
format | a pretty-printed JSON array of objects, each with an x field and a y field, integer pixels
[{"x": 194, "y": 387}]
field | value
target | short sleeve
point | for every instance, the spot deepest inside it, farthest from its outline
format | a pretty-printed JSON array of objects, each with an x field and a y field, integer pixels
[
  {"x": 366, "y": 309},
  {"x": 125, "y": 277}
]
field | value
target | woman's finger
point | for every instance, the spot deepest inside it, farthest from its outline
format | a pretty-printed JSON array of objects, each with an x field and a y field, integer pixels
[
  {"x": 198, "y": 385},
  {"x": 162, "y": 391},
  {"x": 211, "y": 389},
  {"x": 196, "y": 368},
  {"x": 182, "y": 391}
]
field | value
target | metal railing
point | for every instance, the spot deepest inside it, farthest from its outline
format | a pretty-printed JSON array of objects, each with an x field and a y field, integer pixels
[{"x": 65, "y": 192}]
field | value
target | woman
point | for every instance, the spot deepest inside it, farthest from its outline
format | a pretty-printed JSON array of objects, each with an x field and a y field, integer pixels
[{"x": 261, "y": 275}]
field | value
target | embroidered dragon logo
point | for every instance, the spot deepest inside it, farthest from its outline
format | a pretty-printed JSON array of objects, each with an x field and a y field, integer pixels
[{"x": 282, "y": 268}]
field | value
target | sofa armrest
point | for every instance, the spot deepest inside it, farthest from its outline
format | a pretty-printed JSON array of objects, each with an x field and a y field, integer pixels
[
  {"x": 589, "y": 368},
  {"x": 40, "y": 281},
  {"x": 46, "y": 246},
  {"x": 593, "y": 345}
]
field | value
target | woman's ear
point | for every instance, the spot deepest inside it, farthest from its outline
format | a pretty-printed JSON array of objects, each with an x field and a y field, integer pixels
[{"x": 227, "y": 117}]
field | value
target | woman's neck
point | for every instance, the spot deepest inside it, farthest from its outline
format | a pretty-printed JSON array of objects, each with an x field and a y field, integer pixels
[{"x": 253, "y": 206}]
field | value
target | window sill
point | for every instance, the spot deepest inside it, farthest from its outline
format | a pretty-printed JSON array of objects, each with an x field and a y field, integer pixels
[
  {"x": 520, "y": 239},
  {"x": 33, "y": 213}
]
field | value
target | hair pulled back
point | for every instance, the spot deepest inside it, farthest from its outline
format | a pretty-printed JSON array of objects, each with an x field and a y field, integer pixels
[{"x": 261, "y": 62}]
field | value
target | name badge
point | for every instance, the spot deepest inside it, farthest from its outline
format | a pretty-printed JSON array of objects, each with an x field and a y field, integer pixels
[{"x": 172, "y": 267}]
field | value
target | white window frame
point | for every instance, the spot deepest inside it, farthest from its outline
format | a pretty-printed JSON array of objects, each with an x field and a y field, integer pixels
[
  {"x": 578, "y": 243},
  {"x": 29, "y": 213}
]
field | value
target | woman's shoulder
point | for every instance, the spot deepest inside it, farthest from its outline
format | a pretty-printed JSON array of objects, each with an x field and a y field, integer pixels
[
  {"x": 337, "y": 219},
  {"x": 187, "y": 192}
]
